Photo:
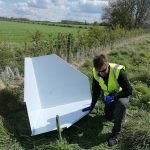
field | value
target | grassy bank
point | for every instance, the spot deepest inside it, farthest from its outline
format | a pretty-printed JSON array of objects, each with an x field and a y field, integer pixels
[{"x": 92, "y": 131}]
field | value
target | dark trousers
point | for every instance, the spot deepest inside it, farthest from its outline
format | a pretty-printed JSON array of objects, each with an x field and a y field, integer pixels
[{"x": 116, "y": 111}]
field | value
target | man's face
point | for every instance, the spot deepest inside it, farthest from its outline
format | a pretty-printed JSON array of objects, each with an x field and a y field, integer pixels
[{"x": 103, "y": 70}]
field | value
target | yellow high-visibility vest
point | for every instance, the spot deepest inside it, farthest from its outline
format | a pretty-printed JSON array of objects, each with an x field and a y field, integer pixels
[{"x": 113, "y": 85}]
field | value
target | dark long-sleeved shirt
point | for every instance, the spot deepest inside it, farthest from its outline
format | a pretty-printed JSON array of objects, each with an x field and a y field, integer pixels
[{"x": 123, "y": 82}]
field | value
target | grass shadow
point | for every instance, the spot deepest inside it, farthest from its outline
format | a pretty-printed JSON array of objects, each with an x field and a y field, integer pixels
[
  {"x": 16, "y": 121},
  {"x": 87, "y": 132},
  {"x": 15, "y": 118}
]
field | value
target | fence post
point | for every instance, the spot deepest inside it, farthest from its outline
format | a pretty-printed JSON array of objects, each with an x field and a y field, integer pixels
[
  {"x": 69, "y": 41},
  {"x": 58, "y": 128}
]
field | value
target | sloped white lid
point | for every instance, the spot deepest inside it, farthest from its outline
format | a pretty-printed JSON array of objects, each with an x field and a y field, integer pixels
[{"x": 53, "y": 87}]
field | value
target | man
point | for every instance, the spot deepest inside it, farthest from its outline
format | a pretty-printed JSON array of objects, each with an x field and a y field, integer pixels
[{"x": 110, "y": 80}]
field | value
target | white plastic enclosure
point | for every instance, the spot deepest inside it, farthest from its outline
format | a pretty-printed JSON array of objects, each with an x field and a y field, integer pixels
[{"x": 53, "y": 87}]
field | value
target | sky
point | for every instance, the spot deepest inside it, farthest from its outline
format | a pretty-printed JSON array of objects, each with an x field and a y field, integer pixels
[{"x": 54, "y": 10}]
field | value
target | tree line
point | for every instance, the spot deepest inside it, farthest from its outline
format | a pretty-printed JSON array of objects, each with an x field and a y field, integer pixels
[
  {"x": 127, "y": 13},
  {"x": 62, "y": 23}
]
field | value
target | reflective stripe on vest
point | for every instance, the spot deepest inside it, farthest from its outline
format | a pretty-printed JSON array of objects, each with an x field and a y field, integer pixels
[{"x": 113, "y": 85}]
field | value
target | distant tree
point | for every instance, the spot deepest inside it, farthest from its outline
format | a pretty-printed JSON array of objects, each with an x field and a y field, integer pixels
[
  {"x": 72, "y": 22},
  {"x": 85, "y": 22},
  {"x": 127, "y": 13},
  {"x": 95, "y": 23},
  {"x": 141, "y": 12},
  {"x": 36, "y": 36}
]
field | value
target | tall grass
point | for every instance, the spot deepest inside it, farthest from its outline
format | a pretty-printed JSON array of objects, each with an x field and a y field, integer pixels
[{"x": 136, "y": 133}]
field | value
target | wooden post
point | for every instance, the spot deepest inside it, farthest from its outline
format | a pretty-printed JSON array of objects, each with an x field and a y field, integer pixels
[
  {"x": 58, "y": 128},
  {"x": 69, "y": 40}
]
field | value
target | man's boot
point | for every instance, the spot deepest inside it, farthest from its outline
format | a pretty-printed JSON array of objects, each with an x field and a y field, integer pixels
[{"x": 113, "y": 139}]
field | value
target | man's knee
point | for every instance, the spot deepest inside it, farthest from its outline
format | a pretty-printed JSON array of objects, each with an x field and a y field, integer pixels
[
  {"x": 120, "y": 107},
  {"x": 123, "y": 101}
]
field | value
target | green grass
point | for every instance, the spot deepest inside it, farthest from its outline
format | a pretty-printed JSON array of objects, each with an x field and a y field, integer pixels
[
  {"x": 92, "y": 131},
  {"x": 19, "y": 32}
]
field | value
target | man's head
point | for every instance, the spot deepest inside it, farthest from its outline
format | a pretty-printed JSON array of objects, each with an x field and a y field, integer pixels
[{"x": 101, "y": 64}]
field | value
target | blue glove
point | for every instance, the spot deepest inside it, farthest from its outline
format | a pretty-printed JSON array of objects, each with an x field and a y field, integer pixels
[
  {"x": 90, "y": 108},
  {"x": 108, "y": 99}
]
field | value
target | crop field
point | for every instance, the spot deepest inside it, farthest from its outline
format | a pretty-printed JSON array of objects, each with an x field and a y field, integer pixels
[{"x": 20, "y": 32}]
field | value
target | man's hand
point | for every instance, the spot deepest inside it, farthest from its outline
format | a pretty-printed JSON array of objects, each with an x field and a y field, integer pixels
[
  {"x": 90, "y": 108},
  {"x": 108, "y": 99}
]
